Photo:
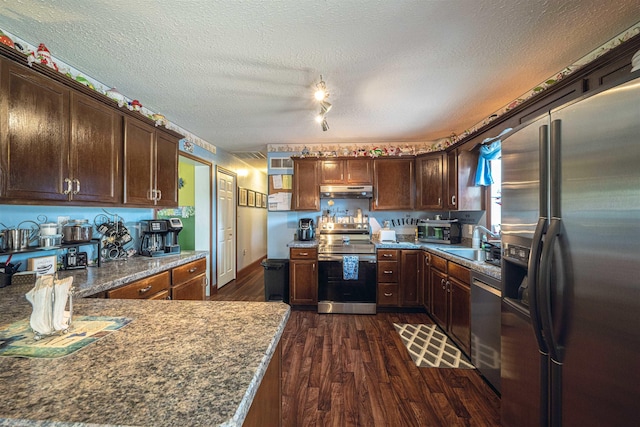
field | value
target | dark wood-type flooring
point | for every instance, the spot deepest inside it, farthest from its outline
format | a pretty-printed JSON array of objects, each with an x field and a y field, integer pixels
[{"x": 353, "y": 370}]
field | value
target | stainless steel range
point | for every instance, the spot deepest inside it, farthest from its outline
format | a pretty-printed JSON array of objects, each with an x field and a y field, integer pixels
[{"x": 346, "y": 269}]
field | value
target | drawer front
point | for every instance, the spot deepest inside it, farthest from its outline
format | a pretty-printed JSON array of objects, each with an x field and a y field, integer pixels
[
  {"x": 160, "y": 295},
  {"x": 188, "y": 271},
  {"x": 388, "y": 294},
  {"x": 461, "y": 273},
  {"x": 387, "y": 254},
  {"x": 438, "y": 263},
  {"x": 387, "y": 271},
  {"x": 304, "y": 253},
  {"x": 143, "y": 288}
]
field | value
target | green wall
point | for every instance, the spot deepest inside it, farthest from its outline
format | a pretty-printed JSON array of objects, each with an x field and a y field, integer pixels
[{"x": 186, "y": 207}]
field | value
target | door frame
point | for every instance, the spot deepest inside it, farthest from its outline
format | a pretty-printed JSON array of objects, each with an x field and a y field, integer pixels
[
  {"x": 220, "y": 169},
  {"x": 212, "y": 266}
]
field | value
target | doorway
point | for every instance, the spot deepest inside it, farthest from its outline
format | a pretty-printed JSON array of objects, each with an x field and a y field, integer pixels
[
  {"x": 226, "y": 225},
  {"x": 194, "y": 207}
]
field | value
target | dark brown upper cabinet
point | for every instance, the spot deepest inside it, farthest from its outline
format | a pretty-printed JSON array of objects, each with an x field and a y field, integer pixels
[
  {"x": 57, "y": 145},
  {"x": 306, "y": 191},
  {"x": 430, "y": 181},
  {"x": 393, "y": 184},
  {"x": 346, "y": 171},
  {"x": 151, "y": 166}
]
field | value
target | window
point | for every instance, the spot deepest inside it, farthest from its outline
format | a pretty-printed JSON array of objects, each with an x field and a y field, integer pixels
[{"x": 494, "y": 213}]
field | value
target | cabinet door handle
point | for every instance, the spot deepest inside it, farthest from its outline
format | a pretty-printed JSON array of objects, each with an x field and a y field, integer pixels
[
  {"x": 77, "y": 182},
  {"x": 444, "y": 286},
  {"x": 192, "y": 270},
  {"x": 426, "y": 261},
  {"x": 439, "y": 201},
  {"x": 388, "y": 294},
  {"x": 304, "y": 253},
  {"x": 68, "y": 189},
  {"x": 387, "y": 255},
  {"x": 448, "y": 286},
  {"x": 145, "y": 289},
  {"x": 151, "y": 194},
  {"x": 453, "y": 200},
  {"x": 159, "y": 195},
  {"x": 388, "y": 271}
]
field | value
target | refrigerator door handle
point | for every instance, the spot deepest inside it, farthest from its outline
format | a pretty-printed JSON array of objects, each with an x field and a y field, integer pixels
[
  {"x": 533, "y": 279},
  {"x": 544, "y": 292}
]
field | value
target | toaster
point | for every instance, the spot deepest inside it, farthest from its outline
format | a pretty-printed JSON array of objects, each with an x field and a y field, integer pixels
[{"x": 387, "y": 235}]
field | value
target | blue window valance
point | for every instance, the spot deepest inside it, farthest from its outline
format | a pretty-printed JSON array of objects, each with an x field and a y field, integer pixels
[{"x": 489, "y": 151}]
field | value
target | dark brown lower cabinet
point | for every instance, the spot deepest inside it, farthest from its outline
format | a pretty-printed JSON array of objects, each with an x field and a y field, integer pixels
[
  {"x": 410, "y": 271},
  {"x": 303, "y": 276},
  {"x": 450, "y": 300},
  {"x": 425, "y": 277},
  {"x": 186, "y": 282}
]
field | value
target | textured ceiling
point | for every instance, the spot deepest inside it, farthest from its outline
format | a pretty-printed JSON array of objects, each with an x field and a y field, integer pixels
[{"x": 240, "y": 74}]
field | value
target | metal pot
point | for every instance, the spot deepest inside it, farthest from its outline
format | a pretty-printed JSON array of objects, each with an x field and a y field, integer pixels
[
  {"x": 77, "y": 231},
  {"x": 48, "y": 229},
  {"x": 16, "y": 239}
]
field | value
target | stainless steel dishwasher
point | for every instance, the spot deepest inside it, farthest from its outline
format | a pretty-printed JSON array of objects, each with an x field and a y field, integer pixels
[{"x": 485, "y": 326}]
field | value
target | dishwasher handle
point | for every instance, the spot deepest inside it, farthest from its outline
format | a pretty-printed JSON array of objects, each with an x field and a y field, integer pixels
[{"x": 486, "y": 287}]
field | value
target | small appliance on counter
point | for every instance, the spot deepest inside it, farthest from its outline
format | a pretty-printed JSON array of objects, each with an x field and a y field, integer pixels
[
  {"x": 160, "y": 236},
  {"x": 74, "y": 260},
  {"x": 439, "y": 231},
  {"x": 306, "y": 229}
]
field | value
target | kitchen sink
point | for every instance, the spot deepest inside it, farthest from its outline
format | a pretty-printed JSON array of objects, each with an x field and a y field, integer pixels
[{"x": 468, "y": 253}]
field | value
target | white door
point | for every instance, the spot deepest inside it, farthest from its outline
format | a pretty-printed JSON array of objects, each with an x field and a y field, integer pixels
[{"x": 226, "y": 227}]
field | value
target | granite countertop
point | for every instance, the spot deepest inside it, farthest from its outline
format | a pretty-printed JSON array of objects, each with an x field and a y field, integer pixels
[
  {"x": 114, "y": 274},
  {"x": 194, "y": 363},
  {"x": 303, "y": 244},
  {"x": 437, "y": 249}
]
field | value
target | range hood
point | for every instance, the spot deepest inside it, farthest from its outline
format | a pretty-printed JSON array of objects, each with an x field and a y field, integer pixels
[{"x": 346, "y": 191}]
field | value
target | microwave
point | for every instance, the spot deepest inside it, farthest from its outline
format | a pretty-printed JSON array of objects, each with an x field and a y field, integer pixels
[{"x": 439, "y": 231}]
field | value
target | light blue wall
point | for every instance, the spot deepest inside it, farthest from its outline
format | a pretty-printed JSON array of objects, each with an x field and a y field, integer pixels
[{"x": 11, "y": 216}]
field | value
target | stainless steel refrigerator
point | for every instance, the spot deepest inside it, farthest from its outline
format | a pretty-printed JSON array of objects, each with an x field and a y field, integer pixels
[{"x": 570, "y": 333}]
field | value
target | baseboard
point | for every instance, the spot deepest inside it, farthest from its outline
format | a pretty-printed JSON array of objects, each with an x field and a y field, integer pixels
[{"x": 250, "y": 268}]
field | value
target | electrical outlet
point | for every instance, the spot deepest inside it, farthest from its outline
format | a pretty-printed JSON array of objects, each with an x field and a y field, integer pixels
[{"x": 244, "y": 252}]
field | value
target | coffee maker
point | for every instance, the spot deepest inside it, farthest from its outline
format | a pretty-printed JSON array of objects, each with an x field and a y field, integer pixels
[
  {"x": 306, "y": 230},
  {"x": 160, "y": 236}
]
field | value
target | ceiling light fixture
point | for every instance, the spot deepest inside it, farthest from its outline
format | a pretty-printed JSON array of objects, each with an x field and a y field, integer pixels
[
  {"x": 321, "y": 95},
  {"x": 321, "y": 90}
]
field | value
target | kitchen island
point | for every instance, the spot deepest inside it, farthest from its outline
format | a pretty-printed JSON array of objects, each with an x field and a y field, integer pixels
[{"x": 196, "y": 363}]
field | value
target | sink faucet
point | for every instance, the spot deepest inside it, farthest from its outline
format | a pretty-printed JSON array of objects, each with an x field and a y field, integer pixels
[{"x": 476, "y": 239}]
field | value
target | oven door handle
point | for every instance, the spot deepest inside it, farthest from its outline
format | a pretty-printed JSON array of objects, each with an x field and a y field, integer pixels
[{"x": 333, "y": 257}]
